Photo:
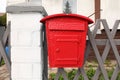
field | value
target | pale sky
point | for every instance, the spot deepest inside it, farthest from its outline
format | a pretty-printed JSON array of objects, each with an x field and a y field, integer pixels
[{"x": 2, "y": 5}]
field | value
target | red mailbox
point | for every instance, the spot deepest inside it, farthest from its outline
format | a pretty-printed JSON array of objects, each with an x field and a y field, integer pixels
[{"x": 66, "y": 39}]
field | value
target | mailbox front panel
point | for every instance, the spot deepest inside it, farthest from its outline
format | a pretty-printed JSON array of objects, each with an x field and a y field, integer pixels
[
  {"x": 66, "y": 49},
  {"x": 66, "y": 42}
]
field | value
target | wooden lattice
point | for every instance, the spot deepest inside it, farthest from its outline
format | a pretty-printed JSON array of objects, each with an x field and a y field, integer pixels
[{"x": 109, "y": 43}]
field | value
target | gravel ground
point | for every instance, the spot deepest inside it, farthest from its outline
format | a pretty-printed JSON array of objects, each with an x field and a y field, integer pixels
[{"x": 4, "y": 75}]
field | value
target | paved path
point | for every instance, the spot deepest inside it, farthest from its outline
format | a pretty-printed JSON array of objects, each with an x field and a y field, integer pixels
[{"x": 4, "y": 75}]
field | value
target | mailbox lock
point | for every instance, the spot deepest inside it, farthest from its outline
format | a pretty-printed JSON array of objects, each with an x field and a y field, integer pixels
[{"x": 57, "y": 50}]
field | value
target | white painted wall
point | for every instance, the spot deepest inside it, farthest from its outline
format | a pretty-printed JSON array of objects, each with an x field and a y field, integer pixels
[
  {"x": 11, "y": 2},
  {"x": 111, "y": 11},
  {"x": 25, "y": 46},
  {"x": 110, "y": 8},
  {"x": 53, "y": 6},
  {"x": 84, "y": 7}
]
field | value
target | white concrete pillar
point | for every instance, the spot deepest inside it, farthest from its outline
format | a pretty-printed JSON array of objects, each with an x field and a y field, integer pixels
[{"x": 26, "y": 61}]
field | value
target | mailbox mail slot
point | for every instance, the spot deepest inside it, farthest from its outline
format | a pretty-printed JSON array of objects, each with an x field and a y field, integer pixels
[{"x": 66, "y": 39}]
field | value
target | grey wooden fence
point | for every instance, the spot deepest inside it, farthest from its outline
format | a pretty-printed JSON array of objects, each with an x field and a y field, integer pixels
[
  {"x": 3, "y": 41},
  {"x": 93, "y": 43}
]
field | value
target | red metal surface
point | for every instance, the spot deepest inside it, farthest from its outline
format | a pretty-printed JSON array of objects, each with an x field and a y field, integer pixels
[
  {"x": 67, "y": 15},
  {"x": 66, "y": 39}
]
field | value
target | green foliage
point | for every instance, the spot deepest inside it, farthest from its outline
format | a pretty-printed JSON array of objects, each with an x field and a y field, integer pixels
[
  {"x": 90, "y": 73},
  {"x": 3, "y": 20},
  {"x": 81, "y": 77},
  {"x": 118, "y": 77},
  {"x": 71, "y": 74},
  {"x": 2, "y": 62},
  {"x": 52, "y": 76},
  {"x": 110, "y": 72},
  {"x": 101, "y": 77},
  {"x": 67, "y": 8},
  {"x": 61, "y": 78}
]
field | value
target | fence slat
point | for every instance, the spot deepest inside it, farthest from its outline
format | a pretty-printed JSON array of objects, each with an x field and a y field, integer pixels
[
  {"x": 104, "y": 41},
  {"x": 77, "y": 75},
  {"x": 2, "y": 48},
  {"x": 97, "y": 24},
  {"x": 112, "y": 43},
  {"x": 116, "y": 53},
  {"x": 115, "y": 73},
  {"x": 6, "y": 34},
  {"x": 101, "y": 64},
  {"x": 84, "y": 74},
  {"x": 62, "y": 72},
  {"x": 107, "y": 48},
  {"x": 5, "y": 57}
]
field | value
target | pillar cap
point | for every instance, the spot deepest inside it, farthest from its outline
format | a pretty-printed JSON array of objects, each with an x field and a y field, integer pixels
[{"x": 26, "y": 7}]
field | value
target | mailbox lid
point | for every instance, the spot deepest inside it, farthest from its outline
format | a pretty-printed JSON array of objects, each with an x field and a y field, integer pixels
[
  {"x": 66, "y": 24},
  {"x": 66, "y": 15}
]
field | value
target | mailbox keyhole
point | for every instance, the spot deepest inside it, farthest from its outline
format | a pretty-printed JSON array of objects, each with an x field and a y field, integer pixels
[{"x": 57, "y": 50}]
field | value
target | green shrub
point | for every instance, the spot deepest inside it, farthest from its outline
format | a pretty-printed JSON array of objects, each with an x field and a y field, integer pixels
[
  {"x": 118, "y": 77},
  {"x": 52, "y": 76},
  {"x": 2, "y": 62},
  {"x": 90, "y": 73},
  {"x": 81, "y": 77},
  {"x": 110, "y": 72},
  {"x": 71, "y": 74},
  {"x": 3, "y": 20}
]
